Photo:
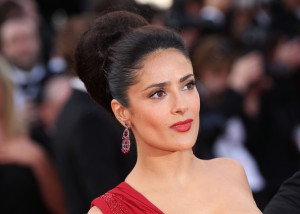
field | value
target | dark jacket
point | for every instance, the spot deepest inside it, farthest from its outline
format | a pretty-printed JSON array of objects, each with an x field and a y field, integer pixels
[
  {"x": 287, "y": 199},
  {"x": 87, "y": 150}
]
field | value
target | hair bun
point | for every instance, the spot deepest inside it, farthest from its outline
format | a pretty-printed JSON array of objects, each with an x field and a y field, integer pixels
[
  {"x": 114, "y": 25},
  {"x": 93, "y": 48}
]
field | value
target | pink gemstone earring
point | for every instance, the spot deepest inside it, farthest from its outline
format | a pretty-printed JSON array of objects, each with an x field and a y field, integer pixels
[{"x": 125, "y": 139}]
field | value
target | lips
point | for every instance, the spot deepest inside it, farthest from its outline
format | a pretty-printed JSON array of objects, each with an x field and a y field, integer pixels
[{"x": 182, "y": 126}]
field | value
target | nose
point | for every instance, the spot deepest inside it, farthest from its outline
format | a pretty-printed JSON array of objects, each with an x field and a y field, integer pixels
[{"x": 179, "y": 105}]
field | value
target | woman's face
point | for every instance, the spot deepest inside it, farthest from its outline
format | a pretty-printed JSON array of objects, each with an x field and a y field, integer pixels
[{"x": 164, "y": 105}]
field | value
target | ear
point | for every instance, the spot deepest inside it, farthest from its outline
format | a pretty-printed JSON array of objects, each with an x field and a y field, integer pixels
[{"x": 121, "y": 113}]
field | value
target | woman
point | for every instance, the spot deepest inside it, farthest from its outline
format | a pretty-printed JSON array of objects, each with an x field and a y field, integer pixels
[
  {"x": 28, "y": 181},
  {"x": 143, "y": 74}
]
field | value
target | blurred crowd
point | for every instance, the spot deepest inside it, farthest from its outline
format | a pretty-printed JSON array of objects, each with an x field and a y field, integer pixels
[{"x": 59, "y": 150}]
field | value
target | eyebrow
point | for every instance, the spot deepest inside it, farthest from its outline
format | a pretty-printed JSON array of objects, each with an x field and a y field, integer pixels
[
  {"x": 162, "y": 84},
  {"x": 182, "y": 79}
]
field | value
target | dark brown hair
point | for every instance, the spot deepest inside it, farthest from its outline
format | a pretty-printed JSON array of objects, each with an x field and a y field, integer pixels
[
  {"x": 68, "y": 37},
  {"x": 109, "y": 54},
  {"x": 213, "y": 52}
]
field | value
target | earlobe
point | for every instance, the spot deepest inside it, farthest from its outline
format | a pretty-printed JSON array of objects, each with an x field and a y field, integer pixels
[{"x": 120, "y": 111}]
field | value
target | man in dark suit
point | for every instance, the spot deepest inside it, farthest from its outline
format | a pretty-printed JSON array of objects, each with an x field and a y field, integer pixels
[
  {"x": 87, "y": 149},
  {"x": 287, "y": 199}
]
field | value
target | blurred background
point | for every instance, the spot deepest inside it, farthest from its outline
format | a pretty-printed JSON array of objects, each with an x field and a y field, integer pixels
[{"x": 54, "y": 150}]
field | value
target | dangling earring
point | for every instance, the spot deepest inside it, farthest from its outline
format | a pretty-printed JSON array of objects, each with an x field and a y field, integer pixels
[{"x": 125, "y": 139}]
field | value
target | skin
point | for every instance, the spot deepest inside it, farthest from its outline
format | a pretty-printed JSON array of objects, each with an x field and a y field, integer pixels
[
  {"x": 167, "y": 173},
  {"x": 20, "y": 43},
  {"x": 56, "y": 93}
]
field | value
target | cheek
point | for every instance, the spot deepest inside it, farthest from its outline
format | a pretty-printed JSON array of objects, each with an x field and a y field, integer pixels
[
  {"x": 149, "y": 122},
  {"x": 7, "y": 49},
  {"x": 194, "y": 110},
  {"x": 151, "y": 116},
  {"x": 194, "y": 103}
]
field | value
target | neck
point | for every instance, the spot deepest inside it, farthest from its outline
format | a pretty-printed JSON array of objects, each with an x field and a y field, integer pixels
[{"x": 163, "y": 167}]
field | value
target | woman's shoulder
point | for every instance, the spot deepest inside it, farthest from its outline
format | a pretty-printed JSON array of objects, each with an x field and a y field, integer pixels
[
  {"x": 123, "y": 199},
  {"x": 226, "y": 164},
  {"x": 105, "y": 202},
  {"x": 230, "y": 175},
  {"x": 230, "y": 170},
  {"x": 95, "y": 210}
]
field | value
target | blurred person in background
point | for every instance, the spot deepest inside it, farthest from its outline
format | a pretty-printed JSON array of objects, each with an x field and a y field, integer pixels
[
  {"x": 211, "y": 59},
  {"x": 28, "y": 181},
  {"x": 184, "y": 16},
  {"x": 214, "y": 15},
  {"x": 86, "y": 144},
  {"x": 250, "y": 24},
  {"x": 9, "y": 9},
  {"x": 20, "y": 46},
  {"x": 30, "y": 8},
  {"x": 55, "y": 93},
  {"x": 46, "y": 31}
]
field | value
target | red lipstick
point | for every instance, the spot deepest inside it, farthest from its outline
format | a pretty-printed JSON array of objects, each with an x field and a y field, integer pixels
[{"x": 182, "y": 126}]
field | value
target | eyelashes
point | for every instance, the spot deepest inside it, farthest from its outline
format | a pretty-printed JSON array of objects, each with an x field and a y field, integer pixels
[
  {"x": 160, "y": 93},
  {"x": 190, "y": 85}
]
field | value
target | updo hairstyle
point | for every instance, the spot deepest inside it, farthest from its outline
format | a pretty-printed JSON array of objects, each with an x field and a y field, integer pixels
[{"x": 110, "y": 53}]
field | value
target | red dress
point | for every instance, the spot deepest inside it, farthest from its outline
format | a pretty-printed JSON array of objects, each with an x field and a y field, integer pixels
[{"x": 123, "y": 199}]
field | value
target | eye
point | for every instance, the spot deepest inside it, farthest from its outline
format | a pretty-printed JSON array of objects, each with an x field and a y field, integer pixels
[
  {"x": 158, "y": 94},
  {"x": 190, "y": 85}
]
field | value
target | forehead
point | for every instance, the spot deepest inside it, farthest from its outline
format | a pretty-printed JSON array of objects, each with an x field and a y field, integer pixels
[
  {"x": 163, "y": 65},
  {"x": 17, "y": 27}
]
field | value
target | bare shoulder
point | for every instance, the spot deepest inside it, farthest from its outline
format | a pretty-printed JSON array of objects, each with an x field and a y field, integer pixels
[
  {"x": 231, "y": 175},
  {"x": 232, "y": 170},
  {"x": 95, "y": 210},
  {"x": 227, "y": 165}
]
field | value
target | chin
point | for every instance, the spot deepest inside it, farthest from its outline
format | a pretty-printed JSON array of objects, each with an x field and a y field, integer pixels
[{"x": 184, "y": 144}]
